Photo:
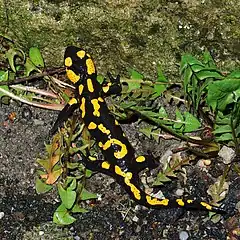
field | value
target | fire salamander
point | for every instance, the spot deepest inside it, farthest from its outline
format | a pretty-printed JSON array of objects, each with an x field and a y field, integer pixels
[{"x": 119, "y": 156}]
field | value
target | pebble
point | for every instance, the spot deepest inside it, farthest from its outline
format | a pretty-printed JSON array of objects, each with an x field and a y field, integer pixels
[
  {"x": 183, "y": 235},
  {"x": 227, "y": 154},
  {"x": 1, "y": 215}
]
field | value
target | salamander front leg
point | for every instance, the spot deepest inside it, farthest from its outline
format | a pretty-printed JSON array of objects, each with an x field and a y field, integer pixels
[
  {"x": 112, "y": 87},
  {"x": 65, "y": 114},
  {"x": 145, "y": 161}
]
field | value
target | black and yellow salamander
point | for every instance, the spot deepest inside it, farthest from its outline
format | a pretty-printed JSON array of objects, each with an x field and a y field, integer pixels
[{"x": 119, "y": 156}]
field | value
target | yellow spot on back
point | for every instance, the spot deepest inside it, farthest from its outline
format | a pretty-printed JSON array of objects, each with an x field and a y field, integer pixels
[
  {"x": 127, "y": 177},
  {"x": 90, "y": 85},
  {"x": 119, "y": 154},
  {"x": 105, "y": 165},
  {"x": 155, "y": 201},
  {"x": 81, "y": 54},
  {"x": 90, "y": 66},
  {"x": 100, "y": 144},
  {"x": 96, "y": 107},
  {"x": 206, "y": 205},
  {"x": 72, "y": 101},
  {"x": 68, "y": 62},
  {"x": 140, "y": 159},
  {"x": 72, "y": 76},
  {"x": 180, "y": 202},
  {"x": 116, "y": 122},
  {"x": 189, "y": 201},
  {"x": 82, "y": 107},
  {"x": 92, "y": 125},
  {"x": 103, "y": 129},
  {"x": 80, "y": 89},
  {"x": 100, "y": 99}
]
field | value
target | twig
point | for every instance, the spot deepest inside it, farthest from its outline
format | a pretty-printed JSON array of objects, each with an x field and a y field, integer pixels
[{"x": 39, "y": 75}]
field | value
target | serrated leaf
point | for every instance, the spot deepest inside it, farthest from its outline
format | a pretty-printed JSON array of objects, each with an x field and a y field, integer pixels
[
  {"x": 42, "y": 187},
  {"x": 36, "y": 57},
  {"x": 191, "y": 122},
  {"x": 85, "y": 195},
  {"x": 68, "y": 196},
  {"x": 29, "y": 67},
  {"x": 4, "y": 76},
  {"x": 62, "y": 217}
]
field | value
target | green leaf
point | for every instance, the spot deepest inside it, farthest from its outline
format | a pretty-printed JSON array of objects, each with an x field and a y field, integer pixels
[
  {"x": 73, "y": 185},
  {"x": 136, "y": 79},
  {"x": 187, "y": 78},
  {"x": 62, "y": 217},
  {"x": 77, "y": 209},
  {"x": 191, "y": 122},
  {"x": 11, "y": 54},
  {"x": 42, "y": 187},
  {"x": 160, "y": 179},
  {"x": 208, "y": 60},
  {"x": 4, "y": 77},
  {"x": 225, "y": 137},
  {"x": 36, "y": 57},
  {"x": 180, "y": 120},
  {"x": 146, "y": 131},
  {"x": 220, "y": 93},
  {"x": 85, "y": 195},
  {"x": 162, "y": 113},
  {"x": 222, "y": 129},
  {"x": 29, "y": 67},
  {"x": 68, "y": 196},
  {"x": 208, "y": 74}
]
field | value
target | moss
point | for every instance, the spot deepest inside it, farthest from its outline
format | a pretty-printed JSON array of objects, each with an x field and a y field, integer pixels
[{"x": 126, "y": 34}]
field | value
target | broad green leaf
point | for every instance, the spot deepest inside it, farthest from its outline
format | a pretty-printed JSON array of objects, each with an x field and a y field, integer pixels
[
  {"x": 160, "y": 75},
  {"x": 180, "y": 120},
  {"x": 100, "y": 78},
  {"x": 68, "y": 196},
  {"x": 36, "y": 57},
  {"x": 188, "y": 60},
  {"x": 225, "y": 137},
  {"x": 4, "y": 76},
  {"x": 11, "y": 54},
  {"x": 62, "y": 217},
  {"x": 85, "y": 195},
  {"x": 220, "y": 93},
  {"x": 160, "y": 179},
  {"x": 136, "y": 79},
  {"x": 88, "y": 173},
  {"x": 191, "y": 122},
  {"x": 208, "y": 60},
  {"x": 197, "y": 68},
  {"x": 77, "y": 209},
  {"x": 222, "y": 129},
  {"x": 42, "y": 187},
  {"x": 208, "y": 74},
  {"x": 146, "y": 131},
  {"x": 159, "y": 89},
  {"x": 44, "y": 163},
  {"x": 29, "y": 67},
  {"x": 73, "y": 185},
  {"x": 162, "y": 113},
  {"x": 187, "y": 78},
  {"x": 234, "y": 74}
]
